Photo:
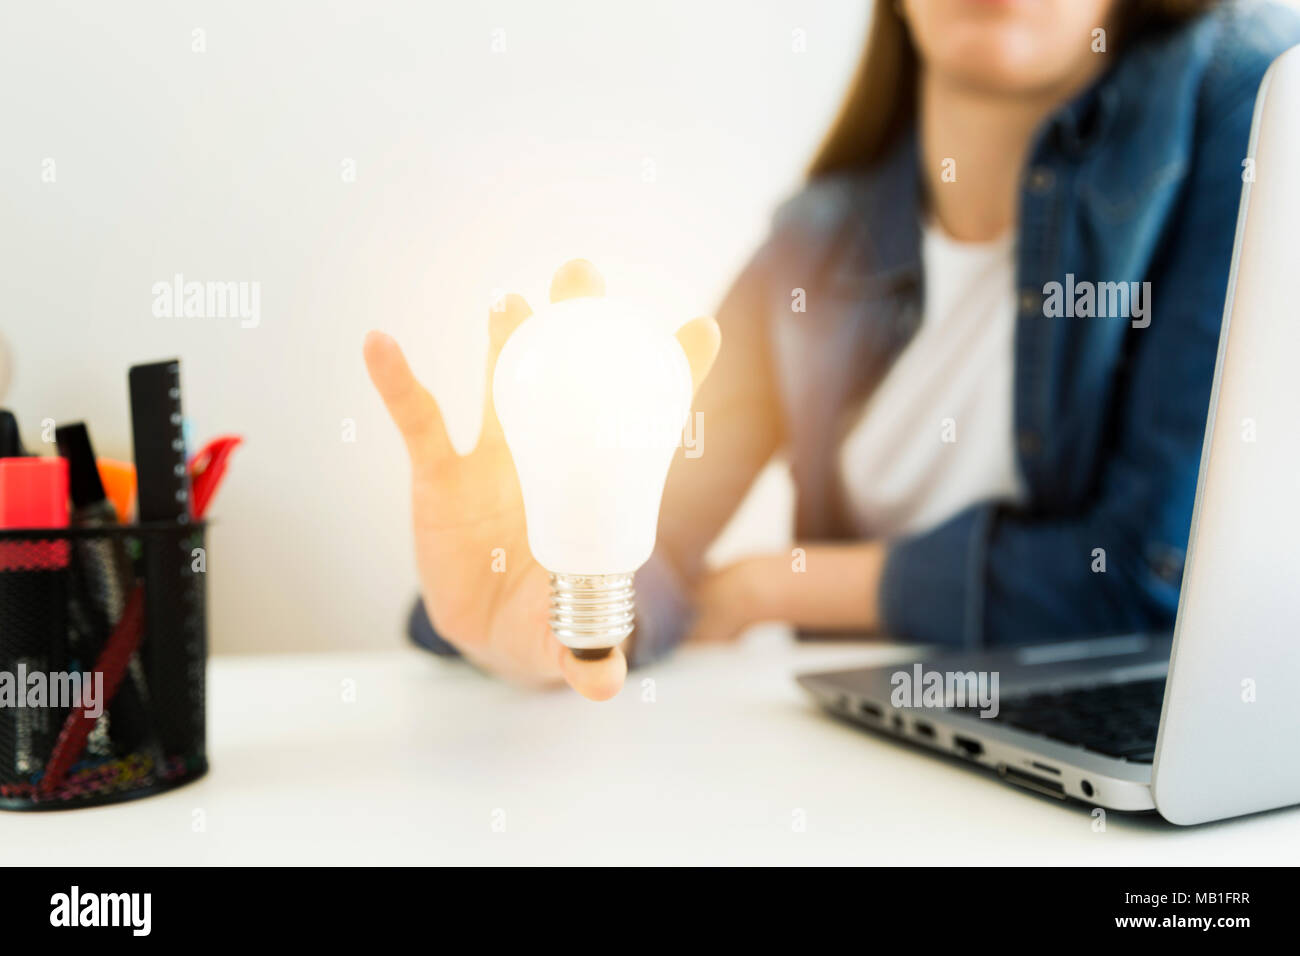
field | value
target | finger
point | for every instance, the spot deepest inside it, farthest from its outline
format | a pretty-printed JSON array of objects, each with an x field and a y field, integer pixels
[
  {"x": 409, "y": 404},
  {"x": 506, "y": 316},
  {"x": 700, "y": 339},
  {"x": 595, "y": 680},
  {"x": 576, "y": 279}
]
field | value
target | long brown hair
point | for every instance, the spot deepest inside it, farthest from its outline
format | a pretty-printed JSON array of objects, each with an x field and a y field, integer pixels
[{"x": 881, "y": 100}]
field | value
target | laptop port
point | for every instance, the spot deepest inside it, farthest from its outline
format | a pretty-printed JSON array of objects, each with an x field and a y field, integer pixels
[
  {"x": 1031, "y": 781},
  {"x": 971, "y": 748},
  {"x": 924, "y": 729},
  {"x": 868, "y": 709}
]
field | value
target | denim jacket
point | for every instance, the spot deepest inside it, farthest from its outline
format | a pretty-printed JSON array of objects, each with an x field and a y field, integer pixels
[{"x": 1136, "y": 181}]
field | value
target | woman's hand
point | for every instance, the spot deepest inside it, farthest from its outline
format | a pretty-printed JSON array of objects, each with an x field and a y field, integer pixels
[
  {"x": 732, "y": 598},
  {"x": 823, "y": 587},
  {"x": 466, "y": 507}
]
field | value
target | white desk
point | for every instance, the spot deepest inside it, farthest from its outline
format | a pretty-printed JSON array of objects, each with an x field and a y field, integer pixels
[{"x": 417, "y": 769}]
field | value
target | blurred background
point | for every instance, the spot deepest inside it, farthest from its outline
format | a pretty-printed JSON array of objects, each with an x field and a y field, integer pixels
[{"x": 371, "y": 164}]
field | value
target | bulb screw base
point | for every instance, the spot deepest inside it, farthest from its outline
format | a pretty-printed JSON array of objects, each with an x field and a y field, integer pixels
[{"x": 591, "y": 613}]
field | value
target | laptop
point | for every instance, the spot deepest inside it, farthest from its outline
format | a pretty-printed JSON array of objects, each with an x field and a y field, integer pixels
[{"x": 1201, "y": 724}]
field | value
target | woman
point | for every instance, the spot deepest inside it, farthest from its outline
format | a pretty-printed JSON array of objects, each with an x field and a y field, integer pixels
[{"x": 984, "y": 334}]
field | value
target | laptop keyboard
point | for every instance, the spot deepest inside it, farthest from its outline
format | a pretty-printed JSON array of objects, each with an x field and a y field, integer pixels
[{"x": 1118, "y": 720}]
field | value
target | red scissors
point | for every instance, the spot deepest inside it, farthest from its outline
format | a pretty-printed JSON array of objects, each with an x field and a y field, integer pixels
[{"x": 207, "y": 468}]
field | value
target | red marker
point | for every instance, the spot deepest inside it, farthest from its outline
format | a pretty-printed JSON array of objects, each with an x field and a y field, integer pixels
[
  {"x": 33, "y": 494},
  {"x": 33, "y": 591}
]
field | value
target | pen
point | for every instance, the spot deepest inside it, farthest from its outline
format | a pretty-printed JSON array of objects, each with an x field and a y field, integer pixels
[
  {"x": 11, "y": 444},
  {"x": 107, "y": 575},
  {"x": 113, "y": 662}
]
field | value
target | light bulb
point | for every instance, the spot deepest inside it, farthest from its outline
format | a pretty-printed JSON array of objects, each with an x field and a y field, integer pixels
[{"x": 592, "y": 395}]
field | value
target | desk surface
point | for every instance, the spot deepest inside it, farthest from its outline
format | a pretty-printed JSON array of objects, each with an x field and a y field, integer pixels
[{"x": 714, "y": 756}]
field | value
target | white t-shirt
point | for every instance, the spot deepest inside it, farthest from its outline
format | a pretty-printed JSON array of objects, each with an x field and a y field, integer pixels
[{"x": 937, "y": 435}]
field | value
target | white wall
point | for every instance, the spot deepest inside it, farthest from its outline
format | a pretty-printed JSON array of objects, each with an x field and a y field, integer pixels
[{"x": 474, "y": 171}]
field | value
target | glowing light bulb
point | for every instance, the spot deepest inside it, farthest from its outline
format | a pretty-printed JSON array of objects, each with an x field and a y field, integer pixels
[{"x": 592, "y": 396}]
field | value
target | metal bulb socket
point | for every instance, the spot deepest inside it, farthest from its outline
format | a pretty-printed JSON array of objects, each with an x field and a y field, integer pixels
[{"x": 592, "y": 613}]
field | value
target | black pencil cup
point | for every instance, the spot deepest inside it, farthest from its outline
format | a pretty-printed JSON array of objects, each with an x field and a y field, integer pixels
[{"x": 118, "y": 607}]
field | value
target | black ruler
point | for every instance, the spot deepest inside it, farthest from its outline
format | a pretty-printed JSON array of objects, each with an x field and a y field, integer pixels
[
  {"x": 174, "y": 649},
  {"x": 157, "y": 432}
]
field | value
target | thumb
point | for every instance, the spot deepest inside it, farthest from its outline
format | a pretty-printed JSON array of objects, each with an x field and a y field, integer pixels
[{"x": 596, "y": 680}]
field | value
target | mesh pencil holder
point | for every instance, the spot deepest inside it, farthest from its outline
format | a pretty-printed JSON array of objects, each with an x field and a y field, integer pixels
[{"x": 103, "y": 652}]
